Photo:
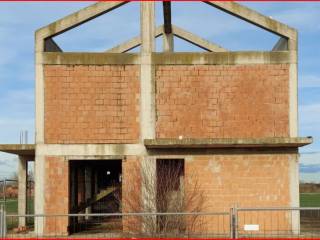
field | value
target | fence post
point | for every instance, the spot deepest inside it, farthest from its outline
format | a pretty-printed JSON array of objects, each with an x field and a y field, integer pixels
[
  {"x": 3, "y": 226},
  {"x": 233, "y": 223}
]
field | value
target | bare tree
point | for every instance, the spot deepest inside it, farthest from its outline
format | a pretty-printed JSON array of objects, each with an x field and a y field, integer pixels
[{"x": 161, "y": 188}]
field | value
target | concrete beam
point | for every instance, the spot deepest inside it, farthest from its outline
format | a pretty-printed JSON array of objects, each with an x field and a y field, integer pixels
[
  {"x": 90, "y": 58},
  {"x": 228, "y": 143},
  {"x": 168, "y": 42},
  {"x": 132, "y": 43},
  {"x": 22, "y": 189},
  {"x": 254, "y": 18},
  {"x": 195, "y": 40},
  {"x": 224, "y": 58},
  {"x": 78, "y": 18},
  {"x": 19, "y": 149}
]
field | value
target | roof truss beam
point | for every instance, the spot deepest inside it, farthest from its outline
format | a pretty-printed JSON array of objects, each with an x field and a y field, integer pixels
[
  {"x": 78, "y": 18},
  {"x": 133, "y": 43},
  {"x": 197, "y": 41},
  {"x": 255, "y": 18}
]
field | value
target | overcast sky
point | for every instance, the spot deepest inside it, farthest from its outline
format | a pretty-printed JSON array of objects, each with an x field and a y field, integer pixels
[{"x": 18, "y": 22}]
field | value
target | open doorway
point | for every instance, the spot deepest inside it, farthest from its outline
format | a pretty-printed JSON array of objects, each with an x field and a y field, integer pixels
[
  {"x": 170, "y": 194},
  {"x": 95, "y": 187}
]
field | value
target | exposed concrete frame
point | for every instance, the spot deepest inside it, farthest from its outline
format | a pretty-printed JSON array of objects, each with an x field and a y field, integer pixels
[
  {"x": 54, "y": 29},
  {"x": 280, "y": 29},
  {"x": 228, "y": 143},
  {"x": 224, "y": 58},
  {"x": 197, "y": 41},
  {"x": 22, "y": 189},
  {"x": 176, "y": 31},
  {"x": 76, "y": 58},
  {"x": 207, "y": 58},
  {"x": 19, "y": 149},
  {"x": 147, "y": 60}
]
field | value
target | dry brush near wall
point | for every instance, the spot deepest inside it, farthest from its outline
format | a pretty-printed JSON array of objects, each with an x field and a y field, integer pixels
[{"x": 164, "y": 190}]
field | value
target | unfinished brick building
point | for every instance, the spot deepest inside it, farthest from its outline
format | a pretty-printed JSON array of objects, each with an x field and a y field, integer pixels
[{"x": 228, "y": 118}]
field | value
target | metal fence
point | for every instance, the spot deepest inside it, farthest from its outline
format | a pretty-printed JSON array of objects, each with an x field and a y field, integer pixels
[
  {"x": 237, "y": 223},
  {"x": 277, "y": 222}
]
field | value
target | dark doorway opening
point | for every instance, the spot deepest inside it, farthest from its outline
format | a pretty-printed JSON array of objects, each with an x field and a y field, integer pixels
[
  {"x": 95, "y": 187},
  {"x": 170, "y": 193}
]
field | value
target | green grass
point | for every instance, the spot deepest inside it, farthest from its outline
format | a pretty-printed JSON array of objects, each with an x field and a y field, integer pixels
[
  {"x": 12, "y": 205},
  {"x": 12, "y": 208},
  {"x": 309, "y": 199}
]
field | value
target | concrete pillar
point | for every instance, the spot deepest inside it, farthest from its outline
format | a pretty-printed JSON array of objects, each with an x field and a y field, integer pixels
[
  {"x": 147, "y": 74},
  {"x": 168, "y": 42},
  {"x": 88, "y": 187},
  {"x": 147, "y": 106},
  {"x": 22, "y": 189}
]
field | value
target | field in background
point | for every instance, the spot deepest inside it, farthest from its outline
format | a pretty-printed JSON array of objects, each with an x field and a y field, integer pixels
[
  {"x": 12, "y": 205},
  {"x": 309, "y": 199}
]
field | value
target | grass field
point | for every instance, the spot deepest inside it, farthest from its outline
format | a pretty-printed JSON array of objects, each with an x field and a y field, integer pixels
[
  {"x": 12, "y": 205},
  {"x": 309, "y": 199}
]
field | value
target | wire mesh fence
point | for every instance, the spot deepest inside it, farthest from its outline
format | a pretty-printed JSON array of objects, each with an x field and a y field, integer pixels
[
  {"x": 116, "y": 225},
  {"x": 238, "y": 223},
  {"x": 278, "y": 222}
]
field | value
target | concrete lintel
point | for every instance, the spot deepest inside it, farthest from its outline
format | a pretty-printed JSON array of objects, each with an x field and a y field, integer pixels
[
  {"x": 195, "y": 40},
  {"x": 133, "y": 42},
  {"x": 255, "y": 18},
  {"x": 224, "y": 58},
  {"x": 93, "y": 150},
  {"x": 78, "y": 18},
  {"x": 90, "y": 58},
  {"x": 228, "y": 143}
]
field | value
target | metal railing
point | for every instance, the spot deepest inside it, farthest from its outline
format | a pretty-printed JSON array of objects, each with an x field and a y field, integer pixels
[
  {"x": 238, "y": 223},
  {"x": 278, "y": 222},
  {"x": 121, "y": 225}
]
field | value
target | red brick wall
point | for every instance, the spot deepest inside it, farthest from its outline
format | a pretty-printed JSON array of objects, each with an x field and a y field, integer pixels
[
  {"x": 56, "y": 195},
  {"x": 251, "y": 180},
  {"x": 222, "y": 101},
  {"x": 131, "y": 193},
  {"x": 91, "y": 104}
]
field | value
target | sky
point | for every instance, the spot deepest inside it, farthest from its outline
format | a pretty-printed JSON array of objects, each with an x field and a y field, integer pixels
[{"x": 19, "y": 21}]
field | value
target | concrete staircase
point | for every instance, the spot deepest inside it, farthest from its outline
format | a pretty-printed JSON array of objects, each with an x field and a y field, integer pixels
[{"x": 102, "y": 194}]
